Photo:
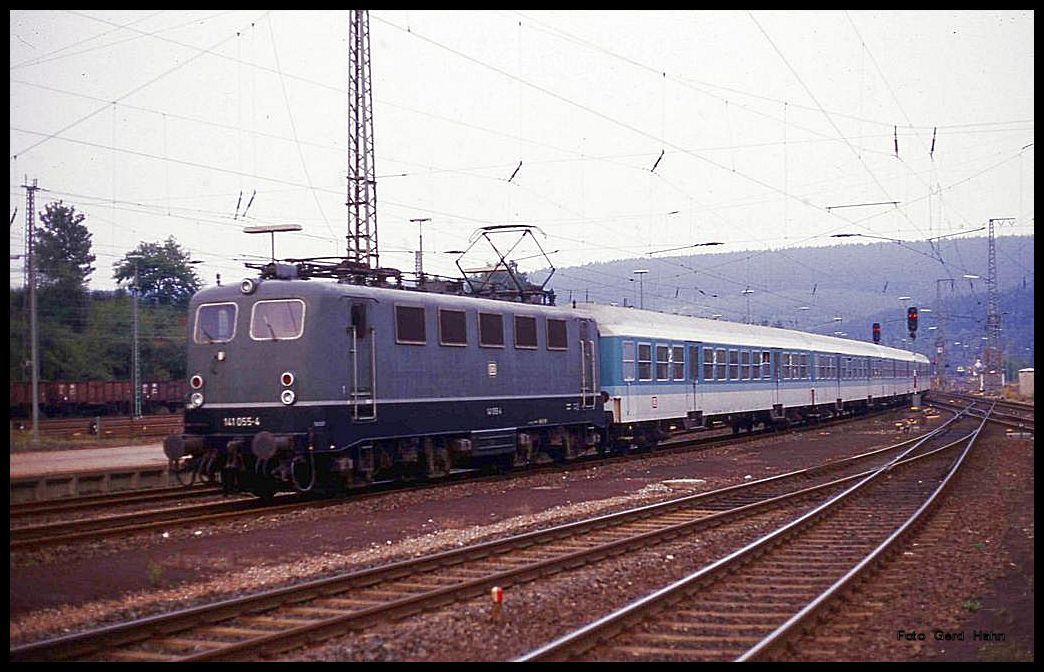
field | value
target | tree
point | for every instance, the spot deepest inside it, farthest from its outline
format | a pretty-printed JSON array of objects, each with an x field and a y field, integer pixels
[
  {"x": 165, "y": 274},
  {"x": 63, "y": 259},
  {"x": 63, "y": 249}
]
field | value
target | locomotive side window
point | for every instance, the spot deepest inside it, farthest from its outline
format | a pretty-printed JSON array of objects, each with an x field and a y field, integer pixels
[
  {"x": 678, "y": 362},
  {"x": 453, "y": 328},
  {"x": 628, "y": 360},
  {"x": 526, "y": 333},
  {"x": 409, "y": 325},
  {"x": 278, "y": 320},
  {"x": 644, "y": 361},
  {"x": 215, "y": 323},
  {"x": 491, "y": 330},
  {"x": 556, "y": 335}
]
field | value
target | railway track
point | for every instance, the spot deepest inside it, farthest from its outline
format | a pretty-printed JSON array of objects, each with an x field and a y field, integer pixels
[
  {"x": 108, "y": 500},
  {"x": 748, "y": 604},
  {"x": 277, "y": 620},
  {"x": 33, "y": 536},
  {"x": 1015, "y": 415}
]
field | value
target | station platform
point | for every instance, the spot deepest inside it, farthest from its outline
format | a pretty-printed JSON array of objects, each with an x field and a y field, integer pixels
[{"x": 49, "y": 474}]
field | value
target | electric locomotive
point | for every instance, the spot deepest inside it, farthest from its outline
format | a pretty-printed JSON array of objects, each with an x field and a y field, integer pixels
[{"x": 303, "y": 385}]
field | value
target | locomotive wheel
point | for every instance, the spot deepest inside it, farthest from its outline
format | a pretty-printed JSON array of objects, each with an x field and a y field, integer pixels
[
  {"x": 210, "y": 468},
  {"x": 185, "y": 469}
]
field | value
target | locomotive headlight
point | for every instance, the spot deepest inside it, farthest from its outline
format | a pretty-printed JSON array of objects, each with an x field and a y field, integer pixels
[
  {"x": 287, "y": 379},
  {"x": 248, "y": 286},
  {"x": 287, "y": 397},
  {"x": 195, "y": 400},
  {"x": 196, "y": 381}
]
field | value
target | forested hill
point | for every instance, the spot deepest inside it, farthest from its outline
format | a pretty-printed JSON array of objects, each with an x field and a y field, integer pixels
[{"x": 808, "y": 288}]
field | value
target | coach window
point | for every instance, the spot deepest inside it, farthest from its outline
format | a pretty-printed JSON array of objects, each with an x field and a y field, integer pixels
[
  {"x": 678, "y": 362},
  {"x": 279, "y": 320},
  {"x": 766, "y": 365},
  {"x": 215, "y": 323},
  {"x": 744, "y": 364},
  {"x": 804, "y": 366},
  {"x": 644, "y": 361},
  {"x": 491, "y": 330},
  {"x": 409, "y": 325},
  {"x": 720, "y": 365},
  {"x": 663, "y": 362},
  {"x": 525, "y": 332},
  {"x": 556, "y": 335},
  {"x": 628, "y": 360},
  {"x": 733, "y": 365},
  {"x": 708, "y": 364},
  {"x": 453, "y": 328},
  {"x": 694, "y": 363}
]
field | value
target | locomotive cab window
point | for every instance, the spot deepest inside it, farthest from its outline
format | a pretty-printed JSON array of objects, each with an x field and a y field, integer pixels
[
  {"x": 409, "y": 325},
  {"x": 277, "y": 320},
  {"x": 556, "y": 335},
  {"x": 453, "y": 328},
  {"x": 491, "y": 330},
  {"x": 215, "y": 323}
]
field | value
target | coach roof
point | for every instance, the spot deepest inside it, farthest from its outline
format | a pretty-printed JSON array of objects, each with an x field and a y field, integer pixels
[{"x": 639, "y": 324}]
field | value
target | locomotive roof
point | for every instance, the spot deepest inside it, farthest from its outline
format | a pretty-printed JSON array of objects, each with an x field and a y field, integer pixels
[
  {"x": 276, "y": 289},
  {"x": 617, "y": 321}
]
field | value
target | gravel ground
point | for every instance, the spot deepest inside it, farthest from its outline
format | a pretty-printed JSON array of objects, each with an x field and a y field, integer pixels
[
  {"x": 968, "y": 571},
  {"x": 72, "y": 588}
]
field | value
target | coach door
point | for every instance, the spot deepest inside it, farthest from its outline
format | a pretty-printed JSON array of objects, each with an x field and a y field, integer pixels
[
  {"x": 693, "y": 391},
  {"x": 777, "y": 377},
  {"x": 362, "y": 364}
]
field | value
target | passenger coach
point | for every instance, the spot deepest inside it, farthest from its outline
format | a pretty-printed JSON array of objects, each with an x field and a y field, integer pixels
[{"x": 661, "y": 371}]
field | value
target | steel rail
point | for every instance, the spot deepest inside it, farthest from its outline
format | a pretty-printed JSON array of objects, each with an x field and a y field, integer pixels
[
  {"x": 613, "y": 623},
  {"x": 777, "y": 638},
  {"x": 78, "y": 644}
]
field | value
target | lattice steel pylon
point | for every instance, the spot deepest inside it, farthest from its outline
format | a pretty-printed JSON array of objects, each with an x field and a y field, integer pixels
[
  {"x": 362, "y": 183},
  {"x": 992, "y": 357}
]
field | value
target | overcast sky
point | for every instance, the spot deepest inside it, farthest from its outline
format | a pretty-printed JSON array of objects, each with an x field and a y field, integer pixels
[{"x": 157, "y": 123}]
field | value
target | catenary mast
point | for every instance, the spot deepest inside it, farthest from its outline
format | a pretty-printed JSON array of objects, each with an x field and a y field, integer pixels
[{"x": 362, "y": 184}]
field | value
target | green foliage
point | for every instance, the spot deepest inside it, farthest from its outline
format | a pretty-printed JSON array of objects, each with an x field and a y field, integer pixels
[
  {"x": 972, "y": 605},
  {"x": 99, "y": 348},
  {"x": 164, "y": 274},
  {"x": 63, "y": 249},
  {"x": 63, "y": 259}
]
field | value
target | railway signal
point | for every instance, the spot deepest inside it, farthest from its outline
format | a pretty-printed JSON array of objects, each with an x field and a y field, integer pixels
[
  {"x": 911, "y": 321},
  {"x": 877, "y": 332}
]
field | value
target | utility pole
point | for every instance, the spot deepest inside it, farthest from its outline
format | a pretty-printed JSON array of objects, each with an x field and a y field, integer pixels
[
  {"x": 641, "y": 284},
  {"x": 419, "y": 261},
  {"x": 993, "y": 358},
  {"x": 940, "y": 335},
  {"x": 30, "y": 226},
  {"x": 136, "y": 356},
  {"x": 362, "y": 183}
]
